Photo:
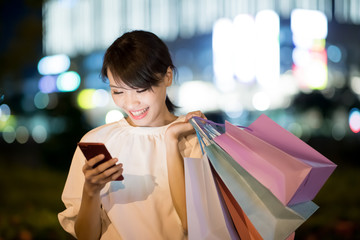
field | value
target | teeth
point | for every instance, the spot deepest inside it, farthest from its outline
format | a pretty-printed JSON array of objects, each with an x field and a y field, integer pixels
[{"x": 138, "y": 113}]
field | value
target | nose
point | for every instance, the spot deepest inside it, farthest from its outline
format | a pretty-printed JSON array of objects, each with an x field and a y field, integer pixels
[{"x": 131, "y": 101}]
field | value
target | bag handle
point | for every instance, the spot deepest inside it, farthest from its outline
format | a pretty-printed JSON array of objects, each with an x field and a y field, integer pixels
[
  {"x": 207, "y": 130},
  {"x": 214, "y": 127}
]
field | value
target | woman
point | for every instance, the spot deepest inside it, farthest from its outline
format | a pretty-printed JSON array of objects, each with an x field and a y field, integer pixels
[{"x": 150, "y": 144}]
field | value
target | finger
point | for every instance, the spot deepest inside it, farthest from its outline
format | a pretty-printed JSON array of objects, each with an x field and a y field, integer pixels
[
  {"x": 195, "y": 114},
  {"x": 95, "y": 160},
  {"x": 91, "y": 172},
  {"x": 107, "y": 164},
  {"x": 110, "y": 174}
]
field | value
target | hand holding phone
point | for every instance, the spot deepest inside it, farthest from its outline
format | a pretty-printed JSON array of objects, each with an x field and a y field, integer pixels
[{"x": 92, "y": 149}]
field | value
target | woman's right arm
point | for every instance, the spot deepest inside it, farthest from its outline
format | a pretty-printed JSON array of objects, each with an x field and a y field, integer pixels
[{"x": 88, "y": 221}]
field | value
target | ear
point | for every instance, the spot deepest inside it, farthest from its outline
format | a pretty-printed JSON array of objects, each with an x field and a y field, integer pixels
[{"x": 168, "y": 77}]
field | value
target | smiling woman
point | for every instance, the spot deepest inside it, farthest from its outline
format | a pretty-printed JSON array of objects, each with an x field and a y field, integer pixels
[
  {"x": 148, "y": 146},
  {"x": 145, "y": 106}
]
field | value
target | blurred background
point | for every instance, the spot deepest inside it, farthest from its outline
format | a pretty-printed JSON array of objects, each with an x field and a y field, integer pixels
[{"x": 296, "y": 61}]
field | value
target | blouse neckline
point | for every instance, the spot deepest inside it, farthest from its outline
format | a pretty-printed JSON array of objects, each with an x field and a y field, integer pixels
[{"x": 124, "y": 124}]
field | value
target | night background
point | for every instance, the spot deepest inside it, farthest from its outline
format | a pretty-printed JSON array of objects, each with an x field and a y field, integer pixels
[{"x": 39, "y": 128}]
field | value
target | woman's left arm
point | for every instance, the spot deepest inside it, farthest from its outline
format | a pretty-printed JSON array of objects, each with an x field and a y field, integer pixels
[{"x": 175, "y": 163}]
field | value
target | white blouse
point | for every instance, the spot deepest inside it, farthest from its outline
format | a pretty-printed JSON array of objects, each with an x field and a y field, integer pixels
[{"x": 140, "y": 206}]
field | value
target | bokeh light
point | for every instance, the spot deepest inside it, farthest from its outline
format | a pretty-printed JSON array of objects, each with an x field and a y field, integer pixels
[
  {"x": 39, "y": 134},
  {"x": 334, "y": 53},
  {"x": 22, "y": 134},
  {"x": 309, "y": 28},
  {"x": 4, "y": 112},
  {"x": 9, "y": 134},
  {"x": 55, "y": 64},
  {"x": 244, "y": 48},
  {"x": 198, "y": 95},
  {"x": 267, "y": 58},
  {"x": 354, "y": 120},
  {"x": 85, "y": 99},
  {"x": 41, "y": 100},
  {"x": 222, "y": 40},
  {"x": 10, "y": 121},
  {"x": 338, "y": 131},
  {"x": 47, "y": 84},
  {"x": 100, "y": 98},
  {"x": 231, "y": 104},
  {"x": 296, "y": 129},
  {"x": 113, "y": 116},
  {"x": 68, "y": 81},
  {"x": 261, "y": 101},
  {"x": 355, "y": 84}
]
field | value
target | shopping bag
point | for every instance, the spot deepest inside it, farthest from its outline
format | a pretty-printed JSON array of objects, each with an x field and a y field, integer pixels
[
  {"x": 242, "y": 223},
  {"x": 244, "y": 227},
  {"x": 207, "y": 216},
  {"x": 292, "y": 170},
  {"x": 271, "y": 219}
]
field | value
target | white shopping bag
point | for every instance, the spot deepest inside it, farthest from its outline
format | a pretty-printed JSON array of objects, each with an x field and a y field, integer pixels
[{"x": 207, "y": 215}]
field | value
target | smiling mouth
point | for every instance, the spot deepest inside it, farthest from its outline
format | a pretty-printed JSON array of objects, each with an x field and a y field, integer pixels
[{"x": 139, "y": 114}]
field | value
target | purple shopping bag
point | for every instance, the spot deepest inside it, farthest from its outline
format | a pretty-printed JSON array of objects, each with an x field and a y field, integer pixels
[{"x": 292, "y": 170}]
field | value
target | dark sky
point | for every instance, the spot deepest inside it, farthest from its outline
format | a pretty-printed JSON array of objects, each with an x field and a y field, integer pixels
[{"x": 21, "y": 38}]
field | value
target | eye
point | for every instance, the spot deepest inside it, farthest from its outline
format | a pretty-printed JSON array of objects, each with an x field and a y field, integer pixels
[
  {"x": 117, "y": 92},
  {"x": 141, "y": 90}
]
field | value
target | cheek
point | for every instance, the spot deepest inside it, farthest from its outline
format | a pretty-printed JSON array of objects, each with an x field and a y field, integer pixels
[{"x": 117, "y": 101}]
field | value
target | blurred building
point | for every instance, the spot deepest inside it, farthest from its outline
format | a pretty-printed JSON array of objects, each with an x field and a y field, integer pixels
[{"x": 296, "y": 61}]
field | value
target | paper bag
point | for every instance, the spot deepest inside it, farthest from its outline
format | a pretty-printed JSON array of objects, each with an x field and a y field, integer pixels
[
  {"x": 292, "y": 170},
  {"x": 207, "y": 216}
]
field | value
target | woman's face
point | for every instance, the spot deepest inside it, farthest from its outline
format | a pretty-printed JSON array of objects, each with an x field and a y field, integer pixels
[{"x": 145, "y": 107}]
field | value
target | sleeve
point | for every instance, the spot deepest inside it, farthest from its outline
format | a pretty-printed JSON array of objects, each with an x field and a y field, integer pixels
[{"x": 72, "y": 195}]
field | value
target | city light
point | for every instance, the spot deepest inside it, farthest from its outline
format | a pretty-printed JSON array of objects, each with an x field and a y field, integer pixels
[
  {"x": 55, "y": 64},
  {"x": 41, "y": 100},
  {"x": 85, "y": 99},
  {"x": 22, "y": 134},
  {"x": 267, "y": 46},
  {"x": 68, "y": 81},
  {"x": 309, "y": 28},
  {"x": 100, "y": 98},
  {"x": 4, "y": 112},
  {"x": 334, "y": 53},
  {"x": 113, "y": 116},
  {"x": 247, "y": 49},
  {"x": 223, "y": 48},
  {"x": 39, "y": 134},
  {"x": 9, "y": 134},
  {"x": 355, "y": 84},
  {"x": 261, "y": 101},
  {"x": 47, "y": 84},
  {"x": 354, "y": 120},
  {"x": 198, "y": 95}
]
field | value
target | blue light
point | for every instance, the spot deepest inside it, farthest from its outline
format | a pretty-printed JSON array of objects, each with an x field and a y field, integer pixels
[
  {"x": 68, "y": 81},
  {"x": 334, "y": 53},
  {"x": 47, "y": 84},
  {"x": 55, "y": 64}
]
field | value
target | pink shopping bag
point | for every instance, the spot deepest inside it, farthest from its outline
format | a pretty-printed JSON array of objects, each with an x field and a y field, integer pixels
[{"x": 292, "y": 170}]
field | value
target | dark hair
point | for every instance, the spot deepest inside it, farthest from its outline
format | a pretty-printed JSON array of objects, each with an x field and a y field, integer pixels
[{"x": 140, "y": 59}]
